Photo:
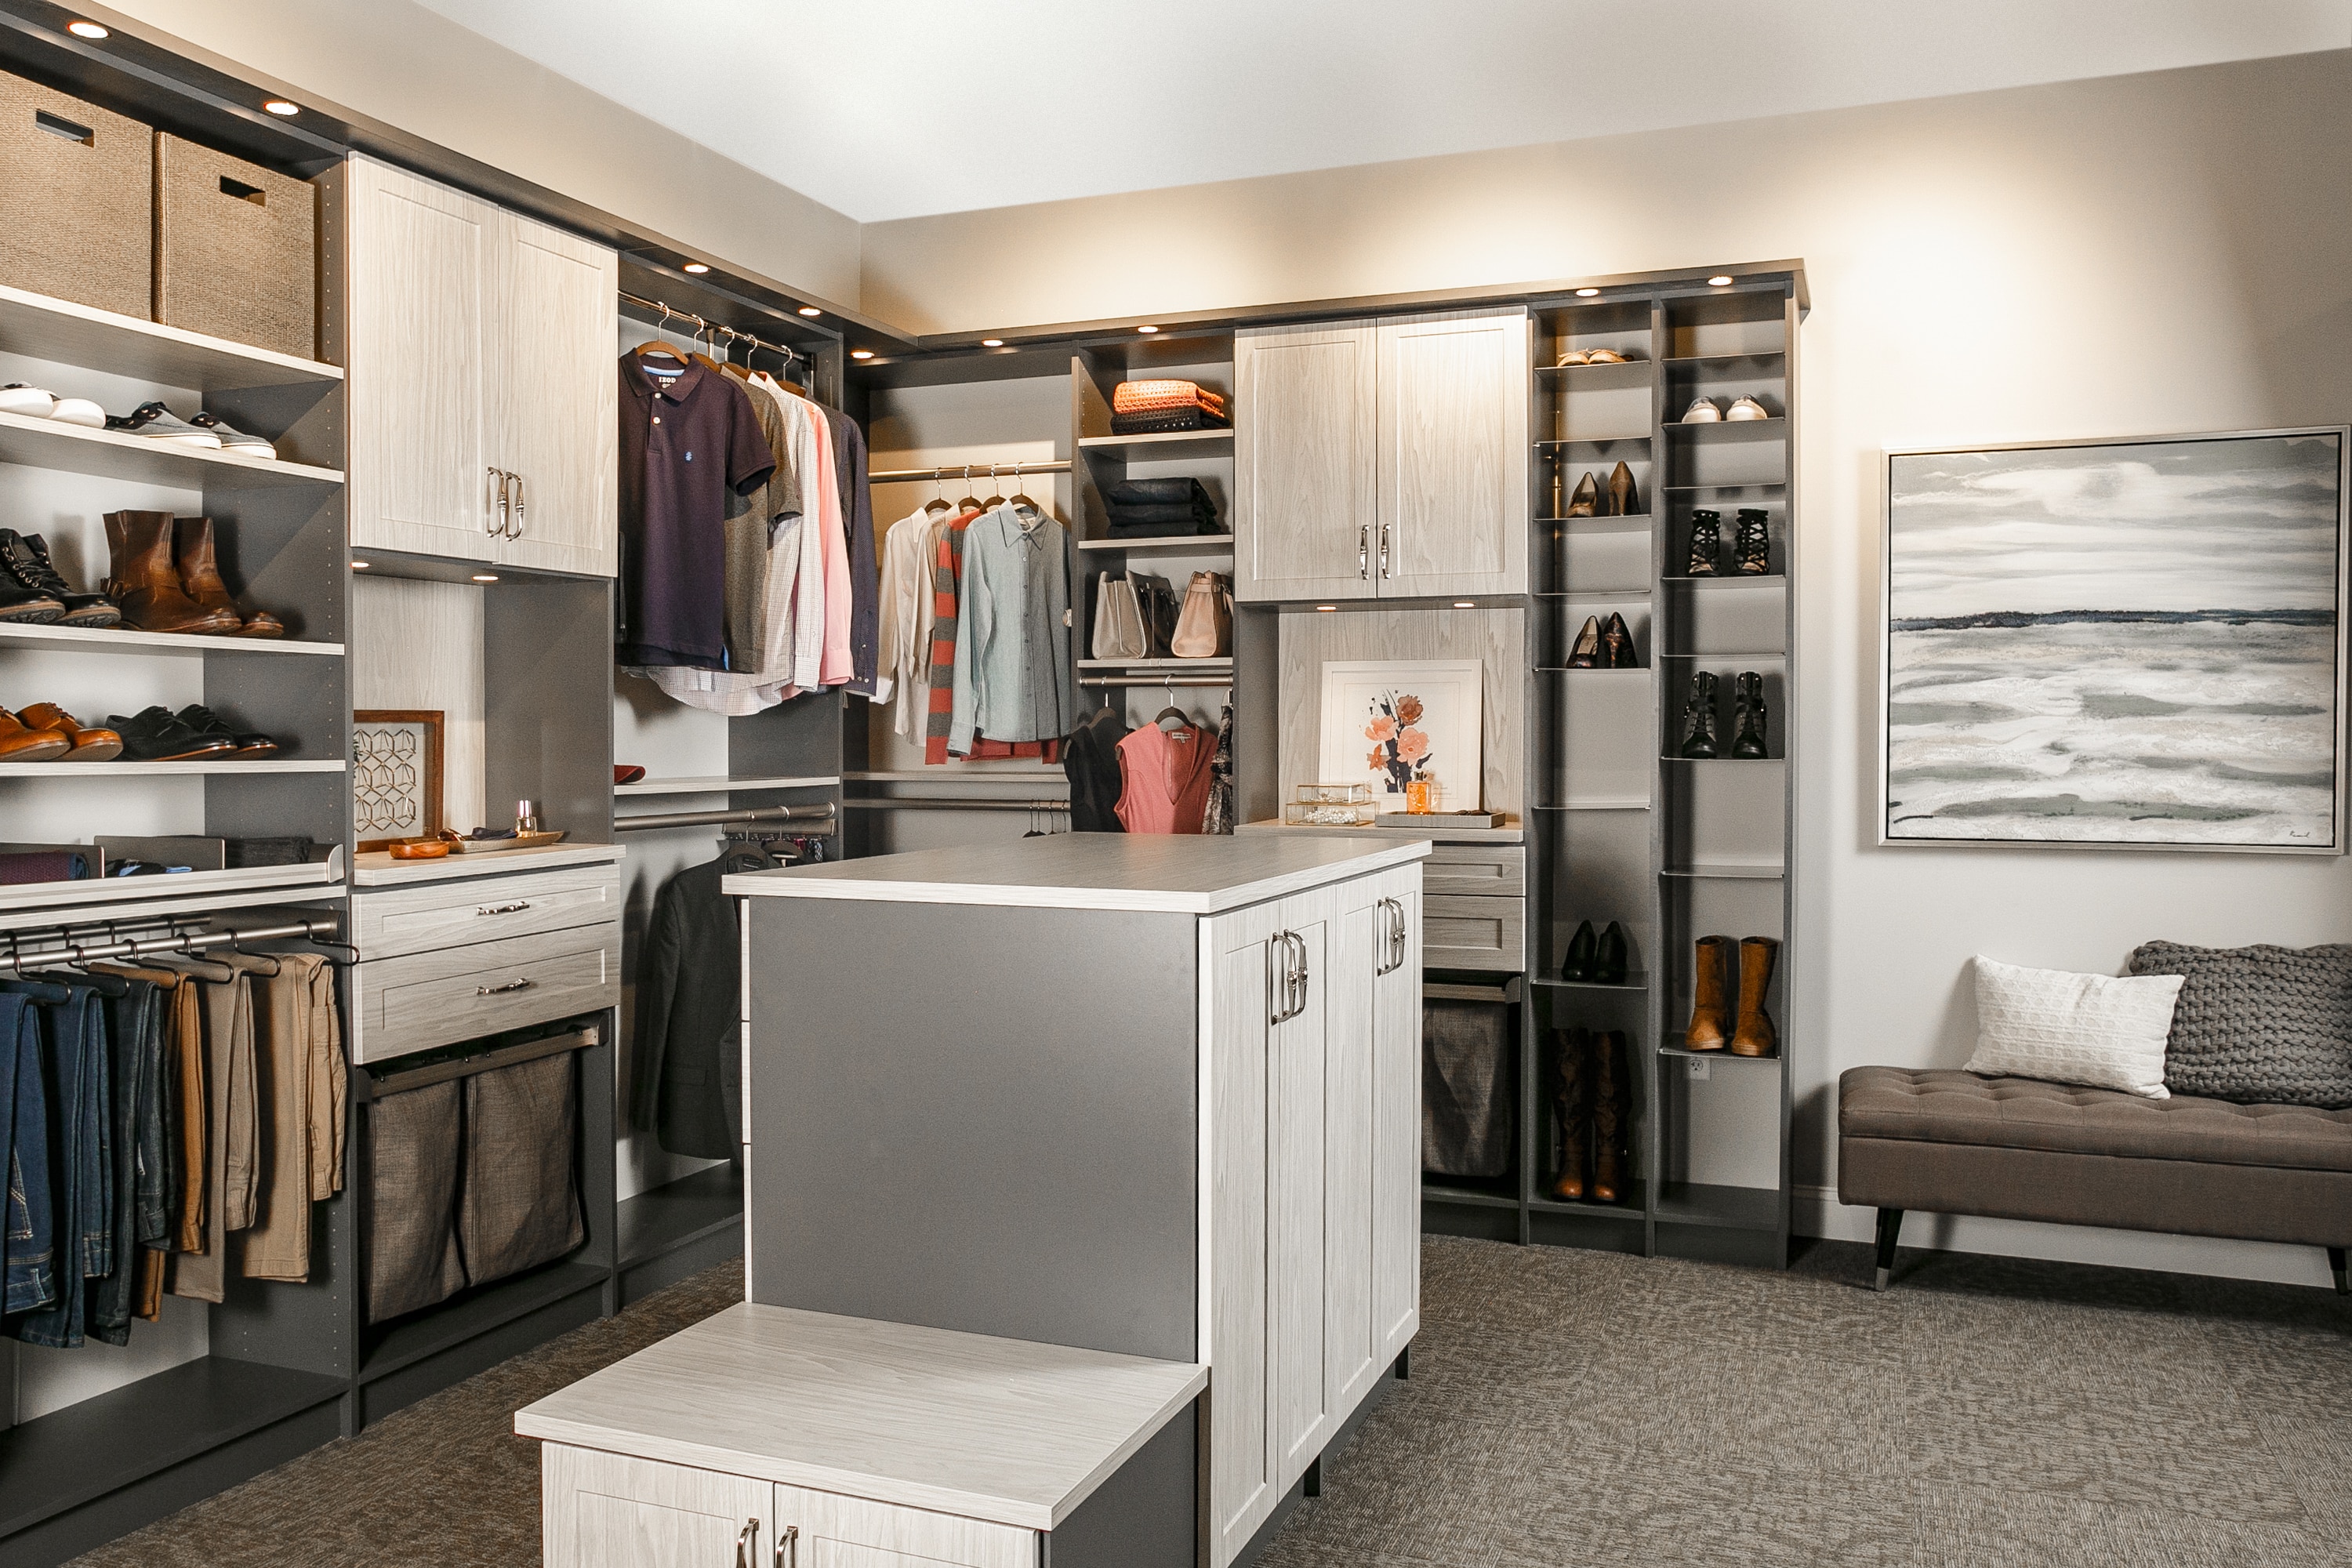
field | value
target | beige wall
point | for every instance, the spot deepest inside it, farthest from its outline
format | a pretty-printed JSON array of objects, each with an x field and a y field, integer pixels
[
  {"x": 2169, "y": 252},
  {"x": 412, "y": 68}
]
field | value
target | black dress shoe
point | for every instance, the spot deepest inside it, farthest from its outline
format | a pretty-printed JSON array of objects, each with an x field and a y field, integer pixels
[
  {"x": 157, "y": 735},
  {"x": 25, "y": 562},
  {"x": 1609, "y": 960},
  {"x": 1581, "y": 951},
  {"x": 205, "y": 721}
]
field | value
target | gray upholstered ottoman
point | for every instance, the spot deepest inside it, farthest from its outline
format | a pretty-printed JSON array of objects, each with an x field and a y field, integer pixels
[{"x": 2016, "y": 1148}]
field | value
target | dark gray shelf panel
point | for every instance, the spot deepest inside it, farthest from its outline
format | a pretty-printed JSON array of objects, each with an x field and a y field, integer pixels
[
  {"x": 1642, "y": 439},
  {"x": 1673, "y": 1050},
  {"x": 1702, "y": 362},
  {"x": 1729, "y": 870},
  {"x": 61, "y": 1461},
  {"x": 1439, "y": 1192},
  {"x": 1592, "y": 593},
  {"x": 1625, "y": 522},
  {"x": 1774, "y": 487},
  {"x": 1773, "y": 429},
  {"x": 1632, "y": 371},
  {"x": 1752, "y": 580},
  {"x": 1727, "y": 1208},
  {"x": 475, "y": 1312},
  {"x": 1632, "y": 983},
  {"x": 678, "y": 1213},
  {"x": 1632, "y": 1209}
]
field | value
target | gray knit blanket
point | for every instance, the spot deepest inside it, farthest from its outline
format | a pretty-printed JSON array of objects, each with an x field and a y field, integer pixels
[{"x": 2270, "y": 1026}]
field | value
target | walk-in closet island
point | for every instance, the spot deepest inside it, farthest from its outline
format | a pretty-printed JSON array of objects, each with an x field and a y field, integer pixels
[{"x": 1152, "y": 1096}]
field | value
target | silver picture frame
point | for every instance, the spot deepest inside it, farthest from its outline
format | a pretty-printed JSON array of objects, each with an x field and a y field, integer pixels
[{"x": 2013, "y": 829}]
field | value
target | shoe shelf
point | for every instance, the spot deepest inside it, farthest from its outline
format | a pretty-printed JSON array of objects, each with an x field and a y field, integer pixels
[
  {"x": 1727, "y": 1207},
  {"x": 1773, "y": 429},
  {"x": 1631, "y": 983},
  {"x": 1627, "y": 803},
  {"x": 73, "y": 900},
  {"x": 1175, "y": 544},
  {"x": 68, "y": 333},
  {"x": 1567, "y": 669},
  {"x": 1765, "y": 360},
  {"x": 1631, "y": 373},
  {"x": 1671, "y": 1049},
  {"x": 1640, "y": 439},
  {"x": 1632, "y": 523},
  {"x": 1590, "y": 593},
  {"x": 113, "y": 455},
  {"x": 1772, "y": 487},
  {"x": 63, "y": 770},
  {"x": 1170, "y": 445},
  {"x": 1631, "y": 1208},
  {"x": 124, "y": 639},
  {"x": 1729, "y": 871},
  {"x": 1466, "y": 1198},
  {"x": 1729, "y": 580}
]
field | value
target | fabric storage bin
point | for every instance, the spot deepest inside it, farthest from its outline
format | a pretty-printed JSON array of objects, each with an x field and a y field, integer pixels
[
  {"x": 76, "y": 200},
  {"x": 1466, "y": 1087},
  {"x": 412, "y": 1200},
  {"x": 521, "y": 1202},
  {"x": 235, "y": 249}
]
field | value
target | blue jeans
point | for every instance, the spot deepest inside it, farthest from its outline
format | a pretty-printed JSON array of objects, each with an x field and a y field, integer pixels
[
  {"x": 74, "y": 1044},
  {"x": 139, "y": 1150},
  {"x": 27, "y": 1261}
]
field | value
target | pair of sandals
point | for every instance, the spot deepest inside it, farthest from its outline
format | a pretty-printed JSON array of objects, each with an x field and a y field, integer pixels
[{"x": 1590, "y": 356}]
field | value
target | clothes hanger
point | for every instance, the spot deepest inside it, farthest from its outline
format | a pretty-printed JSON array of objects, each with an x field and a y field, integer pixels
[
  {"x": 1021, "y": 498},
  {"x": 1183, "y": 720},
  {"x": 969, "y": 503},
  {"x": 997, "y": 500},
  {"x": 939, "y": 501}
]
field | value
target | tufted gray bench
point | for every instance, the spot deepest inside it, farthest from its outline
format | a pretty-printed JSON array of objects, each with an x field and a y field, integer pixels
[{"x": 2016, "y": 1148}]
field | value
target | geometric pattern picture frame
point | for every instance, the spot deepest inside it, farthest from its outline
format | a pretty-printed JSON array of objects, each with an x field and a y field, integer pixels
[{"x": 396, "y": 775}]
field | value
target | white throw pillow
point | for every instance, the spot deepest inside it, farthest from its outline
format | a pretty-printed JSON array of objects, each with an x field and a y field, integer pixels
[{"x": 2092, "y": 1029}]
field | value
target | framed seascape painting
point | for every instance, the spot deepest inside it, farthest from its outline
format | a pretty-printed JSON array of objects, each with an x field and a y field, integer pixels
[
  {"x": 2122, "y": 644},
  {"x": 1406, "y": 728}
]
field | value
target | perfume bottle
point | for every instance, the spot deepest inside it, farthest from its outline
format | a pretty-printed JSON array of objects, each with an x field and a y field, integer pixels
[{"x": 526, "y": 817}]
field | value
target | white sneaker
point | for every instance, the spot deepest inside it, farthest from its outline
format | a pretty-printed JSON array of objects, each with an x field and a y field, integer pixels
[
  {"x": 78, "y": 410},
  {"x": 233, "y": 439},
  {"x": 1702, "y": 411},
  {"x": 30, "y": 401},
  {"x": 1747, "y": 408},
  {"x": 158, "y": 423}
]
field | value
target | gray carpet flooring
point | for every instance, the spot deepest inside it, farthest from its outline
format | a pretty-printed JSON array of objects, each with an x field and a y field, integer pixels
[{"x": 1572, "y": 1408}]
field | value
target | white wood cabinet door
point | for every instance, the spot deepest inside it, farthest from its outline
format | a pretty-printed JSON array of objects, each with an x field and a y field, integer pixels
[
  {"x": 1452, "y": 454},
  {"x": 1351, "y": 1343},
  {"x": 554, "y": 393},
  {"x": 1237, "y": 953},
  {"x": 1295, "y": 1088},
  {"x": 828, "y": 1530},
  {"x": 1396, "y": 1128},
  {"x": 607, "y": 1510},
  {"x": 421, "y": 274},
  {"x": 1304, "y": 507}
]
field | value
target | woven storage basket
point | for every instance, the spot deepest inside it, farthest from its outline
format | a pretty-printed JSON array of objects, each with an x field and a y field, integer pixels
[
  {"x": 235, "y": 249},
  {"x": 76, "y": 200}
]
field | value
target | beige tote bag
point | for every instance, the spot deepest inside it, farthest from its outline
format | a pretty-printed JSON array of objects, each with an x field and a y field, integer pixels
[
  {"x": 1204, "y": 628},
  {"x": 1119, "y": 620}
]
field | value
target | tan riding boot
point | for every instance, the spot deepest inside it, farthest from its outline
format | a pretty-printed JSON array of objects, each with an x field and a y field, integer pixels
[
  {"x": 1613, "y": 1118},
  {"x": 1755, "y": 1036},
  {"x": 1710, "y": 1025},
  {"x": 200, "y": 576},
  {"x": 142, "y": 579}
]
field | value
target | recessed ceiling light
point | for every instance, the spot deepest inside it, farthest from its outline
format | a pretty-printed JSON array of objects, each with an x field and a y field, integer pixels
[
  {"x": 1720, "y": 280},
  {"x": 992, "y": 343},
  {"x": 861, "y": 353},
  {"x": 283, "y": 110},
  {"x": 1586, "y": 293},
  {"x": 1466, "y": 604},
  {"x": 359, "y": 566},
  {"x": 89, "y": 30},
  {"x": 486, "y": 576},
  {"x": 811, "y": 310},
  {"x": 698, "y": 267},
  {"x": 1327, "y": 606},
  {"x": 1147, "y": 329}
]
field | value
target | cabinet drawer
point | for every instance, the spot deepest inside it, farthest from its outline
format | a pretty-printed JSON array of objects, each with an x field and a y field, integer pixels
[
  {"x": 1475, "y": 870},
  {"x": 1459, "y": 932},
  {"x": 398, "y": 920},
  {"x": 427, "y": 999},
  {"x": 842, "y": 1531}
]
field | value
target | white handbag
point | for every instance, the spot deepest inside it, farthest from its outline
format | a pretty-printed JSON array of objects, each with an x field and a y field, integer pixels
[{"x": 1119, "y": 620}]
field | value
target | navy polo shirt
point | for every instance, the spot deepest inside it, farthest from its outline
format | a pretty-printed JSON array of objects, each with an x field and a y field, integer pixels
[{"x": 687, "y": 440}]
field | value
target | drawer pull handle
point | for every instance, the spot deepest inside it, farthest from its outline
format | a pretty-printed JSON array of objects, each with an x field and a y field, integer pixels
[
  {"x": 788, "y": 1547},
  {"x": 499, "y": 990},
  {"x": 747, "y": 1543},
  {"x": 515, "y": 908}
]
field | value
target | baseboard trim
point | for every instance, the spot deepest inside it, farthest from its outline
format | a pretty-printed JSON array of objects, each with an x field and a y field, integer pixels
[{"x": 1816, "y": 1212}]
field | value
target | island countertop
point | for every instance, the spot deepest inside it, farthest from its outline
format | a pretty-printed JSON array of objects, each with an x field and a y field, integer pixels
[{"x": 1174, "y": 873}]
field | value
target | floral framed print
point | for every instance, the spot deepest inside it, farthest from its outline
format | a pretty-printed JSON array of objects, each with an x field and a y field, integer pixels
[
  {"x": 2134, "y": 644},
  {"x": 1410, "y": 730}
]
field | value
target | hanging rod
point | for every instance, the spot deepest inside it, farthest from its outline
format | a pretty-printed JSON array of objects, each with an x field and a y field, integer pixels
[
  {"x": 669, "y": 314},
  {"x": 959, "y": 802},
  {"x": 811, "y": 813},
  {"x": 15, "y": 962},
  {"x": 965, "y": 472}
]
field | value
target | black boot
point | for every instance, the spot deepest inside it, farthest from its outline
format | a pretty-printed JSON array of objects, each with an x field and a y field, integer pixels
[
  {"x": 1748, "y": 716},
  {"x": 1610, "y": 957},
  {"x": 1582, "y": 950},
  {"x": 1698, "y": 718},
  {"x": 1573, "y": 1099},
  {"x": 1754, "y": 544},
  {"x": 1707, "y": 543},
  {"x": 1586, "y": 653}
]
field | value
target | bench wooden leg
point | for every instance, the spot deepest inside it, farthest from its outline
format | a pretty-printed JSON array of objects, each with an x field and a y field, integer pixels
[
  {"x": 2336, "y": 1264},
  {"x": 1890, "y": 1225}
]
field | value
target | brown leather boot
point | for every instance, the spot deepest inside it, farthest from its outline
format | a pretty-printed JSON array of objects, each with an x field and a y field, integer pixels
[
  {"x": 1574, "y": 1097},
  {"x": 144, "y": 581},
  {"x": 1613, "y": 1118},
  {"x": 1710, "y": 1025},
  {"x": 1756, "y": 1036},
  {"x": 200, "y": 577}
]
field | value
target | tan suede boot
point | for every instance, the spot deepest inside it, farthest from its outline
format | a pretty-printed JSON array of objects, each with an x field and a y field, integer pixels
[
  {"x": 1613, "y": 1118},
  {"x": 1755, "y": 1036},
  {"x": 1710, "y": 1025}
]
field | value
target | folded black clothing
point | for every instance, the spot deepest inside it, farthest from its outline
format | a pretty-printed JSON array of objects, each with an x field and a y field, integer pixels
[
  {"x": 1161, "y": 424},
  {"x": 242, "y": 854},
  {"x": 1161, "y": 514},
  {"x": 1163, "y": 530},
  {"x": 1158, "y": 492}
]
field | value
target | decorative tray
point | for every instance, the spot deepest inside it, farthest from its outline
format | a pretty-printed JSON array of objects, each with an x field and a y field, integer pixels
[{"x": 520, "y": 841}]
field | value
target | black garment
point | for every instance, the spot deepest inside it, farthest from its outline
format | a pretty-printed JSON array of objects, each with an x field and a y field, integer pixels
[
  {"x": 1090, "y": 758},
  {"x": 689, "y": 443},
  {"x": 865, "y": 575},
  {"x": 690, "y": 1071},
  {"x": 135, "y": 1031},
  {"x": 1154, "y": 508}
]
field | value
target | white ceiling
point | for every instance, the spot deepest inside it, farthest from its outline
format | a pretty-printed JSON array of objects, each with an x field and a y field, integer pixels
[{"x": 887, "y": 108}]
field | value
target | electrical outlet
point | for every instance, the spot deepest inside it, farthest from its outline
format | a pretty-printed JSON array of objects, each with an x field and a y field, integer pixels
[{"x": 1700, "y": 1068}]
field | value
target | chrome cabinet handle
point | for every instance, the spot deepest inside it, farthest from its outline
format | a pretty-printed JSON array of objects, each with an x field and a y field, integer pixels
[
  {"x": 747, "y": 1542},
  {"x": 491, "y": 491},
  {"x": 501, "y": 990},
  {"x": 1277, "y": 991},
  {"x": 1364, "y": 551},
  {"x": 1384, "y": 550},
  {"x": 517, "y": 906},
  {"x": 1297, "y": 973},
  {"x": 788, "y": 1539},
  {"x": 521, "y": 506},
  {"x": 1391, "y": 936}
]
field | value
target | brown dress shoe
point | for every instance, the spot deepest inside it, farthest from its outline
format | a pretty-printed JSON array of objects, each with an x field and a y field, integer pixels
[
  {"x": 144, "y": 582},
  {"x": 23, "y": 743},
  {"x": 89, "y": 745},
  {"x": 1613, "y": 1118},
  {"x": 200, "y": 578},
  {"x": 1574, "y": 1050},
  {"x": 1710, "y": 1025},
  {"x": 1755, "y": 1036}
]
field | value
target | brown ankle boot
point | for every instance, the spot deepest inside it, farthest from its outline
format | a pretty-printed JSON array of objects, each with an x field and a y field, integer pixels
[
  {"x": 144, "y": 581},
  {"x": 1710, "y": 1025},
  {"x": 1574, "y": 1099},
  {"x": 200, "y": 576},
  {"x": 1613, "y": 1118},
  {"x": 1756, "y": 1036}
]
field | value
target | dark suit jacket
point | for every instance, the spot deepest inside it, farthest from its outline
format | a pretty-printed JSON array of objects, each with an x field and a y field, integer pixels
[{"x": 690, "y": 1069}]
